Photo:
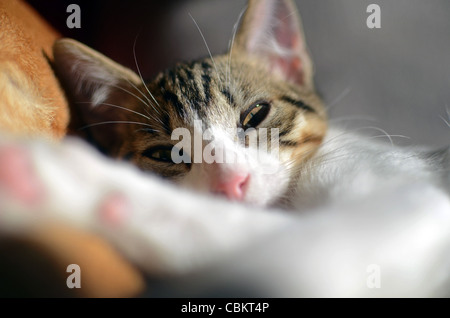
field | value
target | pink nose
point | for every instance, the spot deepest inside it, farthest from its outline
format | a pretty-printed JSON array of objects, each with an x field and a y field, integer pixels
[{"x": 234, "y": 188}]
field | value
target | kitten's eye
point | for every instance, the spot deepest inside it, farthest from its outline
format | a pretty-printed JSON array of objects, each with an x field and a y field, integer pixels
[
  {"x": 162, "y": 154},
  {"x": 255, "y": 115}
]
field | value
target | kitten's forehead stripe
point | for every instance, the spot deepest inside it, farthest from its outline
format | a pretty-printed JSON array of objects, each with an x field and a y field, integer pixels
[
  {"x": 162, "y": 83},
  {"x": 206, "y": 66},
  {"x": 285, "y": 128},
  {"x": 285, "y": 123},
  {"x": 178, "y": 106},
  {"x": 187, "y": 85},
  {"x": 289, "y": 143},
  {"x": 189, "y": 74},
  {"x": 167, "y": 123},
  {"x": 206, "y": 79},
  {"x": 183, "y": 80},
  {"x": 189, "y": 88},
  {"x": 173, "y": 77},
  {"x": 297, "y": 103},
  {"x": 225, "y": 92}
]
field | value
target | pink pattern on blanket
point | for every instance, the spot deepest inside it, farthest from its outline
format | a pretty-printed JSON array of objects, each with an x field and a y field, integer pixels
[
  {"x": 17, "y": 177},
  {"x": 114, "y": 210}
]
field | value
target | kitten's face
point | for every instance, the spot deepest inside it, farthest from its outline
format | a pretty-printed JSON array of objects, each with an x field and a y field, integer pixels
[
  {"x": 224, "y": 108},
  {"x": 246, "y": 97}
]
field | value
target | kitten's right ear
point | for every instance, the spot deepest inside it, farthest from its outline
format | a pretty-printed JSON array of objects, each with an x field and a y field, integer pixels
[
  {"x": 92, "y": 81},
  {"x": 271, "y": 31}
]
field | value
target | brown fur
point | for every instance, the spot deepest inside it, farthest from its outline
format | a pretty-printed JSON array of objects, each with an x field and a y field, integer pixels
[{"x": 33, "y": 105}]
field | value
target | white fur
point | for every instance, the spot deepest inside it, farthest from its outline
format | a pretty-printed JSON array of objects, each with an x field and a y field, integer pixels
[
  {"x": 386, "y": 212},
  {"x": 268, "y": 178}
]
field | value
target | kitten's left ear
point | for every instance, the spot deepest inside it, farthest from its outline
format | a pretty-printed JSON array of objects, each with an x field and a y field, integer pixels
[
  {"x": 271, "y": 30},
  {"x": 94, "y": 84}
]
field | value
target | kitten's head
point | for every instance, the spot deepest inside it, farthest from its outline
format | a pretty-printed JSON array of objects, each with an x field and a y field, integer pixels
[{"x": 241, "y": 124}]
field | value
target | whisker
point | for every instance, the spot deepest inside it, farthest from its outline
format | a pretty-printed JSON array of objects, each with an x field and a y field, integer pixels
[
  {"x": 149, "y": 117},
  {"x": 445, "y": 121},
  {"x": 155, "y": 118},
  {"x": 115, "y": 122},
  {"x": 231, "y": 45},
  {"x": 120, "y": 107},
  {"x": 320, "y": 161},
  {"x": 345, "y": 118},
  {"x": 390, "y": 136},
  {"x": 380, "y": 130},
  {"x": 237, "y": 81},
  {"x": 141, "y": 92},
  {"x": 289, "y": 15},
  {"x": 339, "y": 98},
  {"x": 132, "y": 94},
  {"x": 207, "y": 47},
  {"x": 336, "y": 154},
  {"x": 323, "y": 158},
  {"x": 140, "y": 75}
]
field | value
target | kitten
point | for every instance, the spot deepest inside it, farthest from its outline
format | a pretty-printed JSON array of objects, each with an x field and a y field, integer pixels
[
  {"x": 265, "y": 81},
  {"x": 363, "y": 203}
]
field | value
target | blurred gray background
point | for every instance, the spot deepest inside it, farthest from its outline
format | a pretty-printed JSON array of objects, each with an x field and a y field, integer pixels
[{"x": 396, "y": 79}]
